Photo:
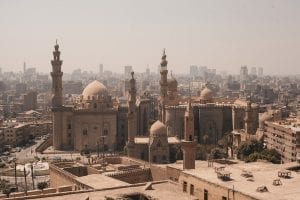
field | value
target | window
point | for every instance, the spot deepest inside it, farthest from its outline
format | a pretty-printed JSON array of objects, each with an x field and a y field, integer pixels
[
  {"x": 154, "y": 158},
  {"x": 224, "y": 198},
  {"x": 191, "y": 189},
  {"x": 184, "y": 186},
  {"x": 95, "y": 105},
  {"x": 158, "y": 143},
  {"x": 69, "y": 126},
  {"x": 84, "y": 132},
  {"x": 205, "y": 195},
  {"x": 105, "y": 132}
]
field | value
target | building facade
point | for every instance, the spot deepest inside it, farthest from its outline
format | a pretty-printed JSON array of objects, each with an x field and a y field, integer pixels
[{"x": 93, "y": 120}]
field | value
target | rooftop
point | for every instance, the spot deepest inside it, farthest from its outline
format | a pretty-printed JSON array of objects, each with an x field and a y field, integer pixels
[
  {"x": 99, "y": 181},
  {"x": 263, "y": 175},
  {"x": 161, "y": 190}
]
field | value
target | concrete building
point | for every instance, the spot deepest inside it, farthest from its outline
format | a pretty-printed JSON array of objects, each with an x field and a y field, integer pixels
[
  {"x": 260, "y": 72},
  {"x": 284, "y": 136},
  {"x": 16, "y": 134},
  {"x": 30, "y": 101}
]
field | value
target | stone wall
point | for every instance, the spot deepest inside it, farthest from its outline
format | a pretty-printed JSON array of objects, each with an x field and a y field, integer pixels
[
  {"x": 158, "y": 173},
  {"x": 44, "y": 145},
  {"x": 133, "y": 176},
  {"x": 60, "y": 177},
  {"x": 173, "y": 173},
  {"x": 213, "y": 190}
]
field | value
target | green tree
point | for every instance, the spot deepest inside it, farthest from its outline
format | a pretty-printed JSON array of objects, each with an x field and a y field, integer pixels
[
  {"x": 42, "y": 185},
  {"x": 248, "y": 148}
]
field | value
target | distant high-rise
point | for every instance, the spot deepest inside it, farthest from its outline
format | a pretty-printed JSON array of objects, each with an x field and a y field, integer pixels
[
  {"x": 30, "y": 101},
  {"x": 243, "y": 76},
  {"x": 194, "y": 70},
  {"x": 147, "y": 72},
  {"x": 24, "y": 67},
  {"x": 260, "y": 72},
  {"x": 127, "y": 71},
  {"x": 101, "y": 69},
  {"x": 253, "y": 71}
]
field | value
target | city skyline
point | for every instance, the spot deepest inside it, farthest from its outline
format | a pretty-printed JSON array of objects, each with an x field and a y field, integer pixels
[{"x": 218, "y": 35}]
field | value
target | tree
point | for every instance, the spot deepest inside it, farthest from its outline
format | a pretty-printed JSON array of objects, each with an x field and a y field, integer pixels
[
  {"x": 42, "y": 185},
  {"x": 248, "y": 148},
  {"x": 218, "y": 153},
  {"x": 252, "y": 150}
]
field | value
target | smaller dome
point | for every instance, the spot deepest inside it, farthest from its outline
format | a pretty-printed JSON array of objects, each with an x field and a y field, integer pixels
[
  {"x": 265, "y": 117},
  {"x": 158, "y": 129},
  {"x": 94, "y": 89},
  {"x": 172, "y": 82},
  {"x": 206, "y": 94}
]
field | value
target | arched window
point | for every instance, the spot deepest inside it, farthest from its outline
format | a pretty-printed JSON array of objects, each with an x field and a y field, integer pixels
[
  {"x": 84, "y": 132},
  {"x": 158, "y": 143},
  {"x": 105, "y": 132}
]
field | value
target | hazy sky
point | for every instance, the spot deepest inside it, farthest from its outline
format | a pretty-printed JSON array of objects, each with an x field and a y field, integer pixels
[{"x": 221, "y": 34}]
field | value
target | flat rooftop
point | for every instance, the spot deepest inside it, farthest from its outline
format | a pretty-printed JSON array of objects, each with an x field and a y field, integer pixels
[
  {"x": 99, "y": 181},
  {"x": 163, "y": 190},
  {"x": 263, "y": 175}
]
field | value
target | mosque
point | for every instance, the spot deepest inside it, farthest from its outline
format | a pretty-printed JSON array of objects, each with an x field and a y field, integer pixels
[{"x": 181, "y": 124}]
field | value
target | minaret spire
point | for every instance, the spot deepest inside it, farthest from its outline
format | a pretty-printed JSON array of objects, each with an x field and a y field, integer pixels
[
  {"x": 188, "y": 143},
  {"x": 56, "y": 74},
  {"x": 132, "y": 117},
  {"x": 163, "y": 85}
]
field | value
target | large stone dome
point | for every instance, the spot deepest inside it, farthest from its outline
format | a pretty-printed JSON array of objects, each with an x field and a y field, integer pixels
[
  {"x": 94, "y": 90},
  {"x": 158, "y": 129}
]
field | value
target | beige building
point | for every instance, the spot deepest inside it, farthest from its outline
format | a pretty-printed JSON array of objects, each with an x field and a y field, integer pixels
[
  {"x": 284, "y": 136},
  {"x": 15, "y": 134},
  {"x": 94, "y": 119},
  {"x": 212, "y": 117},
  {"x": 30, "y": 101}
]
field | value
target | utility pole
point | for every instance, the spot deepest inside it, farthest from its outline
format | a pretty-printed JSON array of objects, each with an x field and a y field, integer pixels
[
  {"x": 103, "y": 161},
  {"x": 16, "y": 183},
  {"x": 25, "y": 181},
  {"x": 98, "y": 149},
  {"x": 32, "y": 176}
]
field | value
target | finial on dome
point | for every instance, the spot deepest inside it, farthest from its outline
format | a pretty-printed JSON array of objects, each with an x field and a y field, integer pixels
[
  {"x": 164, "y": 62},
  {"x": 132, "y": 73},
  {"x": 56, "y": 47}
]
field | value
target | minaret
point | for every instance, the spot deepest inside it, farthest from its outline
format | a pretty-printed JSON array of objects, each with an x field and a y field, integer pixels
[
  {"x": 248, "y": 118},
  {"x": 132, "y": 125},
  {"x": 57, "y": 100},
  {"x": 163, "y": 84},
  {"x": 188, "y": 144},
  {"x": 24, "y": 67},
  {"x": 56, "y": 74}
]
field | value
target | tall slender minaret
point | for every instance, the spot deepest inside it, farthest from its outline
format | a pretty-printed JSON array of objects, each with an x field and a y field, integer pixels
[
  {"x": 56, "y": 74},
  {"x": 57, "y": 99},
  {"x": 188, "y": 144},
  {"x": 163, "y": 84},
  {"x": 248, "y": 119},
  {"x": 132, "y": 117}
]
